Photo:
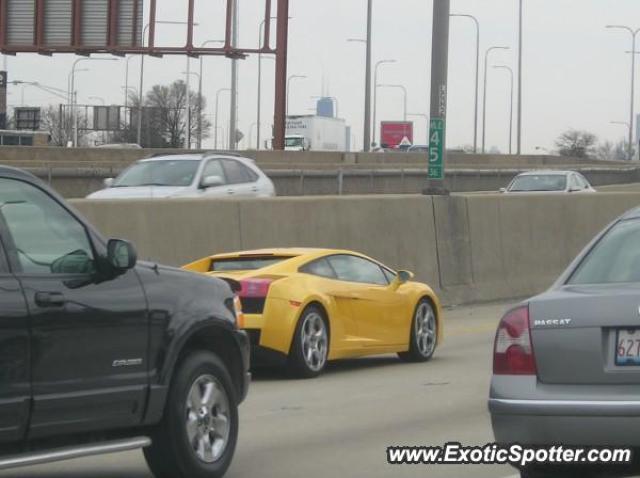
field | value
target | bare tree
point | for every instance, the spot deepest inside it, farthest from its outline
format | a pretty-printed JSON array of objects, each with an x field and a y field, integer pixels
[
  {"x": 606, "y": 151},
  {"x": 609, "y": 151},
  {"x": 164, "y": 117},
  {"x": 577, "y": 144},
  {"x": 58, "y": 123}
]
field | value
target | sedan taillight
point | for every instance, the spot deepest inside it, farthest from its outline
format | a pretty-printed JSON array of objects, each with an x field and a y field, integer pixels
[{"x": 513, "y": 349}]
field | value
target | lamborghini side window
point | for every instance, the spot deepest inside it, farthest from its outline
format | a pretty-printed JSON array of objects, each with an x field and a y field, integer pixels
[
  {"x": 357, "y": 269},
  {"x": 320, "y": 267}
]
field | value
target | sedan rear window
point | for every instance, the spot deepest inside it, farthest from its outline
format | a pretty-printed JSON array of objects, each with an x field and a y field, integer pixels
[
  {"x": 539, "y": 182},
  {"x": 614, "y": 259},
  {"x": 245, "y": 263}
]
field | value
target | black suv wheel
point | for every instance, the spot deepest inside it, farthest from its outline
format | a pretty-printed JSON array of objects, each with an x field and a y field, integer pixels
[{"x": 198, "y": 434}]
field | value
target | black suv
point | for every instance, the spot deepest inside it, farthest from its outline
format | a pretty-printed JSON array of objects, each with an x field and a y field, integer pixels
[{"x": 101, "y": 353}]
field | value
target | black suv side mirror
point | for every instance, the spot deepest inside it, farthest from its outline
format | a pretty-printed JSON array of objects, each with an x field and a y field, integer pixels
[{"x": 121, "y": 254}]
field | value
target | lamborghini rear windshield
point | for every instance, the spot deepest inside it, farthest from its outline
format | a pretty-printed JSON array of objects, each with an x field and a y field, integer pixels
[{"x": 245, "y": 263}]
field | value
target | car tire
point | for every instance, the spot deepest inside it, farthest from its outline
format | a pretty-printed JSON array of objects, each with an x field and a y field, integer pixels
[
  {"x": 199, "y": 431},
  {"x": 310, "y": 348},
  {"x": 424, "y": 334}
]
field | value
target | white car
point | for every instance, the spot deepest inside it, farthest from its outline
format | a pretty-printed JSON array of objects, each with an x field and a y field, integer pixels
[
  {"x": 556, "y": 182},
  {"x": 189, "y": 176}
]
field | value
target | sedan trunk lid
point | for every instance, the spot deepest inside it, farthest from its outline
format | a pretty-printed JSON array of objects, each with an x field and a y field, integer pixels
[{"x": 575, "y": 332}]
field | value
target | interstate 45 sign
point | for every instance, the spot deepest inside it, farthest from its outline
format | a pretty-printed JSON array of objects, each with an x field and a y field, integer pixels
[{"x": 436, "y": 149}]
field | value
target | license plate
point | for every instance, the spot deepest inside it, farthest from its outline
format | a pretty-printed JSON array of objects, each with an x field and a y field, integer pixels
[{"x": 628, "y": 347}]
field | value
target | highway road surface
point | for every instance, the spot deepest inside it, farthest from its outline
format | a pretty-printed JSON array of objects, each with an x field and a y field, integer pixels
[{"x": 342, "y": 423}]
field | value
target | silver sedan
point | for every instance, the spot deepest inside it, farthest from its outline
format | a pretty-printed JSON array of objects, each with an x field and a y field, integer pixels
[
  {"x": 567, "y": 362},
  {"x": 549, "y": 182}
]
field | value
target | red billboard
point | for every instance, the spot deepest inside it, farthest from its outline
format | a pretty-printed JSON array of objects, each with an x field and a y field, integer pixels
[{"x": 394, "y": 133}]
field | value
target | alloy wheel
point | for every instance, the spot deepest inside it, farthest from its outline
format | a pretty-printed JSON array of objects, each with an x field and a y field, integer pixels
[{"x": 208, "y": 419}]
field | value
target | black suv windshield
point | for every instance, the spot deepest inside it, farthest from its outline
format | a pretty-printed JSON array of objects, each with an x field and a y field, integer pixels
[{"x": 176, "y": 173}]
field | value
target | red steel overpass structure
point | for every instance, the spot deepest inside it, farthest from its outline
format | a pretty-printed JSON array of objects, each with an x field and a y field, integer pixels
[{"x": 115, "y": 27}]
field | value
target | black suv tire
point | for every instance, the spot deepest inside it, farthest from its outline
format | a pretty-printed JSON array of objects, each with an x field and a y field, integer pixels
[{"x": 174, "y": 454}]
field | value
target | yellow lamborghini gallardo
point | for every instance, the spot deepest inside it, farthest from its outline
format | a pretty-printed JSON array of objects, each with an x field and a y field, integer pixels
[{"x": 303, "y": 307}]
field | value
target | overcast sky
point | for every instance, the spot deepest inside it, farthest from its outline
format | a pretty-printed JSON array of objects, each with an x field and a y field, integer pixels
[{"x": 576, "y": 73}]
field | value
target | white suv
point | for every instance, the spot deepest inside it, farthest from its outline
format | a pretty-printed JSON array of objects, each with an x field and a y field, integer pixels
[{"x": 189, "y": 176}]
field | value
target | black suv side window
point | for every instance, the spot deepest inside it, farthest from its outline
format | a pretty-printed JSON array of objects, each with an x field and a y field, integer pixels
[{"x": 43, "y": 236}]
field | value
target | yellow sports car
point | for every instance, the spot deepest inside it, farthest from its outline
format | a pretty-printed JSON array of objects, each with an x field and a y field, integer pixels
[{"x": 303, "y": 307}]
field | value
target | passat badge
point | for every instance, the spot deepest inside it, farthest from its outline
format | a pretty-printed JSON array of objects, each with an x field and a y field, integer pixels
[{"x": 552, "y": 323}]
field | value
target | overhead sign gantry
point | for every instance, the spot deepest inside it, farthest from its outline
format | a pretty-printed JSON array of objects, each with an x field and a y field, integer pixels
[{"x": 86, "y": 27}]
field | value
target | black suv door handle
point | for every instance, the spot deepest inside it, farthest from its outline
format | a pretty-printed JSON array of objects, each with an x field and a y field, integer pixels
[{"x": 49, "y": 299}]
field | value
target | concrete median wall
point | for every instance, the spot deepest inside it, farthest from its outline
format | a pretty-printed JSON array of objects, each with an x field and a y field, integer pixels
[
  {"x": 78, "y": 183},
  {"x": 179, "y": 231},
  {"x": 468, "y": 247}
]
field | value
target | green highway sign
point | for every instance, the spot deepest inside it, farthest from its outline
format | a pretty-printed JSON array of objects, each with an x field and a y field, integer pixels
[{"x": 436, "y": 149}]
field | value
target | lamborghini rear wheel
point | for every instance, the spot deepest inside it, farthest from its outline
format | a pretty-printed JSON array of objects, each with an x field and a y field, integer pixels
[{"x": 310, "y": 348}]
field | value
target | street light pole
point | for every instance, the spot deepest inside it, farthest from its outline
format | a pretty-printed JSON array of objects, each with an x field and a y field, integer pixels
[
  {"x": 477, "y": 88},
  {"x": 74, "y": 117},
  {"x": 503, "y": 67},
  {"x": 375, "y": 96},
  {"x": 221, "y": 90},
  {"x": 140, "y": 92},
  {"x": 404, "y": 90},
  {"x": 187, "y": 136},
  {"x": 367, "y": 89},
  {"x": 292, "y": 77},
  {"x": 233, "y": 118},
  {"x": 520, "y": 35},
  {"x": 484, "y": 99},
  {"x": 634, "y": 34},
  {"x": 438, "y": 99}
]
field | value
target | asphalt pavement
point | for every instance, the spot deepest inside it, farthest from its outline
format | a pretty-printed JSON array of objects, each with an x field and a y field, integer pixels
[{"x": 341, "y": 424}]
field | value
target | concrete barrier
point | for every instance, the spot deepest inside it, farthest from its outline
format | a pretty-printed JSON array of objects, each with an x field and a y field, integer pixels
[
  {"x": 77, "y": 183},
  {"x": 468, "y": 247}
]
